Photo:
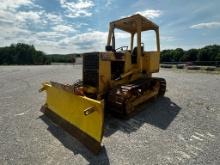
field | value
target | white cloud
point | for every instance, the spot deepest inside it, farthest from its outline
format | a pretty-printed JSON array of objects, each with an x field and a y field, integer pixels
[
  {"x": 77, "y": 9},
  {"x": 30, "y": 15},
  {"x": 57, "y": 40},
  {"x": 147, "y": 13},
  {"x": 16, "y": 25},
  {"x": 54, "y": 18},
  {"x": 122, "y": 35},
  {"x": 49, "y": 32},
  {"x": 91, "y": 41},
  {"x": 10, "y": 13},
  {"x": 167, "y": 38},
  {"x": 38, "y": 17},
  {"x": 80, "y": 4},
  {"x": 6, "y": 16},
  {"x": 10, "y": 32},
  {"x": 12, "y": 4},
  {"x": 208, "y": 25},
  {"x": 150, "y": 13},
  {"x": 108, "y": 3},
  {"x": 8, "y": 9},
  {"x": 63, "y": 28},
  {"x": 84, "y": 42},
  {"x": 48, "y": 35}
]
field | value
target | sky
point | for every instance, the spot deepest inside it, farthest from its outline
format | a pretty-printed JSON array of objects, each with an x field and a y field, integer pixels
[{"x": 77, "y": 26}]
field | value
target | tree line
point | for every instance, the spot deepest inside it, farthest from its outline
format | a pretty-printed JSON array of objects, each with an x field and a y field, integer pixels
[
  {"x": 24, "y": 54},
  {"x": 207, "y": 53},
  {"x": 57, "y": 58}
]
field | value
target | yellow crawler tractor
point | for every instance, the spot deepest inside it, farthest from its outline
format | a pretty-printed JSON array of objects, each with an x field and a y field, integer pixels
[{"x": 117, "y": 81}]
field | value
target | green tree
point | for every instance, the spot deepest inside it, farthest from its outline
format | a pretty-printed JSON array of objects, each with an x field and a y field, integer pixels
[
  {"x": 217, "y": 57},
  {"x": 22, "y": 54},
  {"x": 190, "y": 55},
  {"x": 178, "y": 54},
  {"x": 166, "y": 56},
  {"x": 209, "y": 53}
]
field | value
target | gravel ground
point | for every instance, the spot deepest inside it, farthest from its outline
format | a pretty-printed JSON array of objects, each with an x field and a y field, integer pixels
[{"x": 181, "y": 128}]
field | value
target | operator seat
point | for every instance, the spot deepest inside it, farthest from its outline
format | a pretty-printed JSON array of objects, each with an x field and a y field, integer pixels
[{"x": 134, "y": 55}]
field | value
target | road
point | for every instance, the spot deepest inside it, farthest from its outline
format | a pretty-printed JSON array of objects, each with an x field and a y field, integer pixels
[{"x": 181, "y": 128}]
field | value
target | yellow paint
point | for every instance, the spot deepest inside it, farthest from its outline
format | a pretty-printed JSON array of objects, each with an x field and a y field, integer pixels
[
  {"x": 151, "y": 62},
  {"x": 71, "y": 107},
  {"x": 88, "y": 114},
  {"x": 128, "y": 64},
  {"x": 104, "y": 75}
]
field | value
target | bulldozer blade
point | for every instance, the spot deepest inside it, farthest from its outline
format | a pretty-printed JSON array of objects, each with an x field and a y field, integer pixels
[{"x": 80, "y": 116}]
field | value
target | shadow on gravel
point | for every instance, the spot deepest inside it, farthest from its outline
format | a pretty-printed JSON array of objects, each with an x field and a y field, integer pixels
[
  {"x": 74, "y": 145},
  {"x": 159, "y": 113}
]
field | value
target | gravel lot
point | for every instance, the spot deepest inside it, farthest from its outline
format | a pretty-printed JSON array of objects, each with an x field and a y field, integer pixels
[{"x": 181, "y": 128}]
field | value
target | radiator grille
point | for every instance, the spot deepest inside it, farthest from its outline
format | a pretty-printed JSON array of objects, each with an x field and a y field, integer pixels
[{"x": 90, "y": 69}]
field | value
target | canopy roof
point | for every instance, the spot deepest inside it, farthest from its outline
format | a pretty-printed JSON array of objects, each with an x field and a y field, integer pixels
[{"x": 129, "y": 24}]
